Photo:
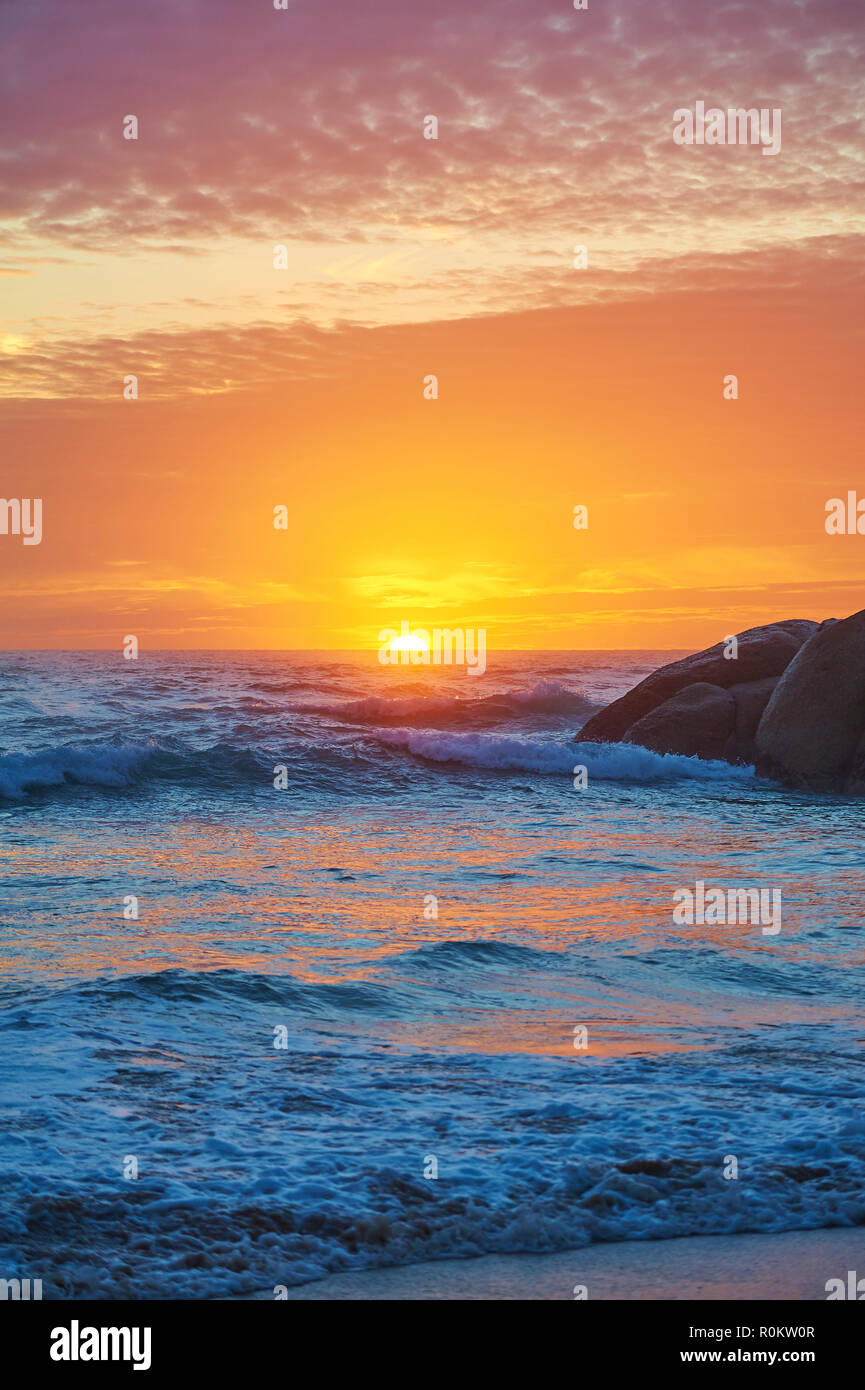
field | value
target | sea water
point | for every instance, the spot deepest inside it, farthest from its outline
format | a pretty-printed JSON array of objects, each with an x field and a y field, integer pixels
[{"x": 423, "y": 998}]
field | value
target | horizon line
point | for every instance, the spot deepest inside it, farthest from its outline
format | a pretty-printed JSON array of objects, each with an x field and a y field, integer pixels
[{"x": 369, "y": 651}]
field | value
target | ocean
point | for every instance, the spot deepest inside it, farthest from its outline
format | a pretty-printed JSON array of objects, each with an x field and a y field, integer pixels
[{"x": 255, "y": 1034}]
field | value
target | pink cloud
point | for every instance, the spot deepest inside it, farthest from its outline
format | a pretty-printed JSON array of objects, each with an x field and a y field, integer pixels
[{"x": 307, "y": 123}]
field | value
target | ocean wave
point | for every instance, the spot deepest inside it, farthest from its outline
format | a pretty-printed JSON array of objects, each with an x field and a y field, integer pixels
[
  {"x": 546, "y": 699},
  {"x": 219, "y": 765},
  {"x": 604, "y": 762},
  {"x": 245, "y": 988},
  {"x": 120, "y": 766},
  {"x": 458, "y": 955},
  {"x": 570, "y": 1160},
  {"x": 100, "y": 765}
]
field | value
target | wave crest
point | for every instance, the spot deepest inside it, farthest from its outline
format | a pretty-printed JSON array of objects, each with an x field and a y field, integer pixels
[
  {"x": 100, "y": 765},
  {"x": 604, "y": 761},
  {"x": 547, "y": 699}
]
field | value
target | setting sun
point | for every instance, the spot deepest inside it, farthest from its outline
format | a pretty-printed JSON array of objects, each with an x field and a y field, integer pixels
[{"x": 412, "y": 643}]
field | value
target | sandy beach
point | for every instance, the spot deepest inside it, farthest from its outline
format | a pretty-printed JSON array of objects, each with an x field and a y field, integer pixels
[{"x": 794, "y": 1265}]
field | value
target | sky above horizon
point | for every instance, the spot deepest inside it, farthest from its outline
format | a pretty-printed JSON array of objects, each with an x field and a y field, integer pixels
[{"x": 407, "y": 257}]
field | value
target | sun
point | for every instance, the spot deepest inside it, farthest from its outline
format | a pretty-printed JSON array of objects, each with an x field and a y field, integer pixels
[{"x": 411, "y": 643}]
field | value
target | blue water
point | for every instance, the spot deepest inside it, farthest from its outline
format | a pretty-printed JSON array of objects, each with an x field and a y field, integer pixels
[{"x": 155, "y": 1142}]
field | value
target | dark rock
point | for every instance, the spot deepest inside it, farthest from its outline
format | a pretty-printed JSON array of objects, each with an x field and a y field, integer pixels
[
  {"x": 763, "y": 652},
  {"x": 812, "y": 733},
  {"x": 751, "y": 700},
  {"x": 854, "y": 783},
  {"x": 697, "y": 722}
]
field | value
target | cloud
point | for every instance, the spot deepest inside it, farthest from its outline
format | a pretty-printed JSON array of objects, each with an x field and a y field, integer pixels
[
  {"x": 307, "y": 124},
  {"x": 225, "y": 358}
]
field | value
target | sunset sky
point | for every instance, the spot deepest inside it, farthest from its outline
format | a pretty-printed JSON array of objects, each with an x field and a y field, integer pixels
[{"x": 407, "y": 257}]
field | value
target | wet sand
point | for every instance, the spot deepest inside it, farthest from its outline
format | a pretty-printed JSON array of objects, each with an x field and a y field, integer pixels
[{"x": 795, "y": 1265}]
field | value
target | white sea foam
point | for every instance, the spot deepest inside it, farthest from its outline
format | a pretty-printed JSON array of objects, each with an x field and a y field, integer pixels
[{"x": 604, "y": 761}]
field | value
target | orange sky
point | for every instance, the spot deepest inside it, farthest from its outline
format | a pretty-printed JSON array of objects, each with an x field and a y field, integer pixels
[{"x": 304, "y": 387}]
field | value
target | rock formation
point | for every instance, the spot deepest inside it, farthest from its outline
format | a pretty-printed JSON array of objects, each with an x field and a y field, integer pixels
[
  {"x": 707, "y": 705},
  {"x": 812, "y": 733}
]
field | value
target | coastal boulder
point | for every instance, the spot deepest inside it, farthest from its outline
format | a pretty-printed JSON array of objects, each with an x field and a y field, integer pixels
[
  {"x": 697, "y": 722},
  {"x": 751, "y": 700},
  {"x": 812, "y": 733},
  {"x": 763, "y": 653},
  {"x": 854, "y": 783}
]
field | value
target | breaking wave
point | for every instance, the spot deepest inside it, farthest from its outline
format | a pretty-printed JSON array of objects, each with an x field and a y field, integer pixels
[
  {"x": 122, "y": 766},
  {"x": 604, "y": 761},
  {"x": 101, "y": 765}
]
